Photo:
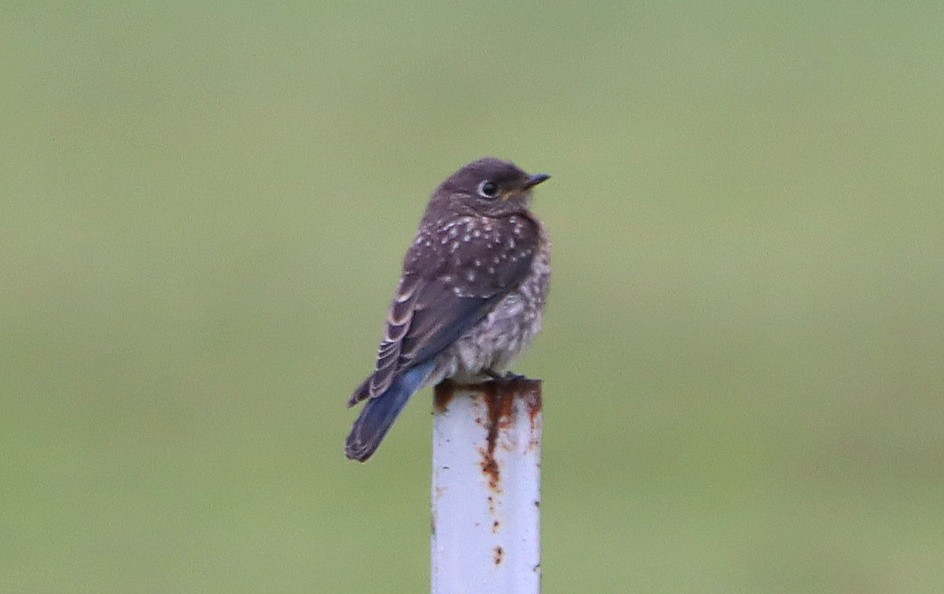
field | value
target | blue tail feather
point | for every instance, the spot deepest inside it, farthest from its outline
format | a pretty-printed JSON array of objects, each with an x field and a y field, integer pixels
[{"x": 380, "y": 412}]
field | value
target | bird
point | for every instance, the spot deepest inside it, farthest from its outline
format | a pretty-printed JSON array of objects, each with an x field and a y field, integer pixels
[{"x": 470, "y": 299}]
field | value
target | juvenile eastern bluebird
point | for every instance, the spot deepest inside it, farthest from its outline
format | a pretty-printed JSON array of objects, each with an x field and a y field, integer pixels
[{"x": 470, "y": 299}]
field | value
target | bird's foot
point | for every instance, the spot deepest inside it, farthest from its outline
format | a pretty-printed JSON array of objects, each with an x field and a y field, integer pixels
[{"x": 508, "y": 376}]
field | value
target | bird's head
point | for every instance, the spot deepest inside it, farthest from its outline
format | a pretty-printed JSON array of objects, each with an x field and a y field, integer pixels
[{"x": 487, "y": 187}]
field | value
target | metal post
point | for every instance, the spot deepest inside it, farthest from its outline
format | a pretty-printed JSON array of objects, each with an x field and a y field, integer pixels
[{"x": 487, "y": 488}]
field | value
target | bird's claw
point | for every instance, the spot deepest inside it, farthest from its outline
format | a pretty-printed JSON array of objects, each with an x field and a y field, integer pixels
[{"x": 508, "y": 376}]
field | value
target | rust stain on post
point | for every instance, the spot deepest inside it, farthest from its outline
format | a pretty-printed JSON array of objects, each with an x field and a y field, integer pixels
[
  {"x": 535, "y": 403},
  {"x": 499, "y": 397},
  {"x": 535, "y": 408},
  {"x": 500, "y": 403},
  {"x": 499, "y": 555},
  {"x": 443, "y": 394}
]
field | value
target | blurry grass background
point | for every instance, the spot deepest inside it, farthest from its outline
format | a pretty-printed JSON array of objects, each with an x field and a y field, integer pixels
[{"x": 203, "y": 208}]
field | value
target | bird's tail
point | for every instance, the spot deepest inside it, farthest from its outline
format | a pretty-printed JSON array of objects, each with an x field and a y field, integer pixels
[{"x": 380, "y": 412}]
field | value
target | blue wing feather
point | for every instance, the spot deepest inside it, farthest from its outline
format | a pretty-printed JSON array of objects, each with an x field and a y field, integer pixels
[{"x": 379, "y": 413}]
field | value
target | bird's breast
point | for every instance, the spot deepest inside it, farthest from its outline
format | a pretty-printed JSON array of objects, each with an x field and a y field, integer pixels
[{"x": 506, "y": 331}]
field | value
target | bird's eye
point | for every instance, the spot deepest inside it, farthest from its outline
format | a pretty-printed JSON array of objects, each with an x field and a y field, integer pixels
[{"x": 488, "y": 189}]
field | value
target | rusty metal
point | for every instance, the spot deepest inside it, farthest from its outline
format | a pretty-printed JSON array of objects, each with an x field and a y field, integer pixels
[{"x": 486, "y": 487}]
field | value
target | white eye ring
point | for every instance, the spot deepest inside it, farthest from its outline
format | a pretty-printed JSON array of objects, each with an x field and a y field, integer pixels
[{"x": 488, "y": 189}]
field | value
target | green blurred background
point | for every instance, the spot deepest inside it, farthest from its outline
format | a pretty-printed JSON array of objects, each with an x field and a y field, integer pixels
[{"x": 204, "y": 208}]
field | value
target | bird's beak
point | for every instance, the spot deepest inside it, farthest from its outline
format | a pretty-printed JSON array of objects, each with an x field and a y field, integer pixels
[{"x": 535, "y": 180}]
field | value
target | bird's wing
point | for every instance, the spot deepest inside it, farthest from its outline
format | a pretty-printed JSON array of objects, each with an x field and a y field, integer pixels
[{"x": 450, "y": 283}]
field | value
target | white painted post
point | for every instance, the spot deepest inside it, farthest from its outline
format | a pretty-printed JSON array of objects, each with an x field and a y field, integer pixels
[{"x": 487, "y": 488}]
